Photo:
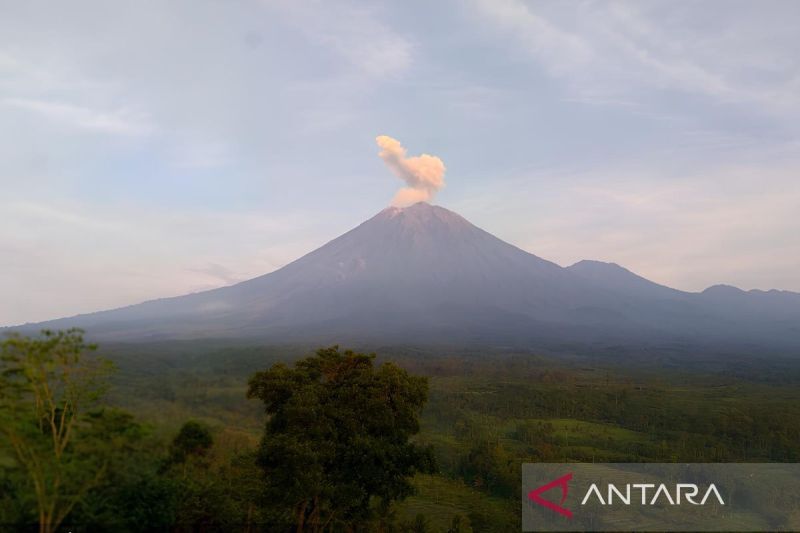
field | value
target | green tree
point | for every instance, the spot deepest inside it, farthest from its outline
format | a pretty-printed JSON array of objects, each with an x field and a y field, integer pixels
[
  {"x": 336, "y": 448},
  {"x": 205, "y": 498},
  {"x": 193, "y": 439},
  {"x": 488, "y": 466},
  {"x": 133, "y": 495},
  {"x": 48, "y": 384}
]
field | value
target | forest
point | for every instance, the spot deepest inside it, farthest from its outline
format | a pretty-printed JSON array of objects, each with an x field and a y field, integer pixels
[{"x": 223, "y": 436}]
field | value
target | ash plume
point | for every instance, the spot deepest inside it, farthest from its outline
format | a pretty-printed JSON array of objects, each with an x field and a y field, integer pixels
[{"x": 423, "y": 174}]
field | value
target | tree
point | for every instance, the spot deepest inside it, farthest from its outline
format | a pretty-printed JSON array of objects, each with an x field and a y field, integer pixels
[
  {"x": 48, "y": 385},
  {"x": 133, "y": 495},
  {"x": 193, "y": 439},
  {"x": 336, "y": 448},
  {"x": 219, "y": 485},
  {"x": 488, "y": 466}
]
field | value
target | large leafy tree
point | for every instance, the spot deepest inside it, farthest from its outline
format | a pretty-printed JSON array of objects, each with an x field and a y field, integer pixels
[
  {"x": 48, "y": 385},
  {"x": 336, "y": 450}
]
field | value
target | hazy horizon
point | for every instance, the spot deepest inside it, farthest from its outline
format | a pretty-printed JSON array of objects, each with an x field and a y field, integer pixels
[
  {"x": 156, "y": 150},
  {"x": 360, "y": 250}
]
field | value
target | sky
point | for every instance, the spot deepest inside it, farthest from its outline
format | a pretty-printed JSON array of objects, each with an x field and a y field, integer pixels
[{"x": 151, "y": 149}]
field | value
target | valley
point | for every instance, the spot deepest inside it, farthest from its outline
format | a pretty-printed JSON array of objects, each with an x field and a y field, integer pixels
[{"x": 490, "y": 410}]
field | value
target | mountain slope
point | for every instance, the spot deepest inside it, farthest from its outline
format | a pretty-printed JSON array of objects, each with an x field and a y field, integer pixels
[
  {"x": 615, "y": 278},
  {"x": 425, "y": 274},
  {"x": 412, "y": 269}
]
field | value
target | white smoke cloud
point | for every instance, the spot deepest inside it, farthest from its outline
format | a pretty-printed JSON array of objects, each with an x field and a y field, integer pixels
[{"x": 423, "y": 174}]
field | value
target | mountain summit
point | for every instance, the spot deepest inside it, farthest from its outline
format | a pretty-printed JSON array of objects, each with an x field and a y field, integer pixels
[{"x": 425, "y": 274}]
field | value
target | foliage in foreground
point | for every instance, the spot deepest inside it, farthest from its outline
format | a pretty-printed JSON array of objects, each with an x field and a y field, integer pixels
[
  {"x": 48, "y": 387},
  {"x": 486, "y": 414},
  {"x": 67, "y": 459},
  {"x": 336, "y": 450},
  {"x": 335, "y": 455}
]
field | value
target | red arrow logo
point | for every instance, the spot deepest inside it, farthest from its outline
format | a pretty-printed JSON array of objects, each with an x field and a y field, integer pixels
[{"x": 562, "y": 482}]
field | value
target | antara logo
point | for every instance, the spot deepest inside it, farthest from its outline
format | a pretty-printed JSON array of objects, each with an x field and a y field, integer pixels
[
  {"x": 684, "y": 492},
  {"x": 688, "y": 491},
  {"x": 562, "y": 482}
]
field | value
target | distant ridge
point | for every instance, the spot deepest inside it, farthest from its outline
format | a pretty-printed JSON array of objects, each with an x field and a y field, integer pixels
[{"x": 425, "y": 274}]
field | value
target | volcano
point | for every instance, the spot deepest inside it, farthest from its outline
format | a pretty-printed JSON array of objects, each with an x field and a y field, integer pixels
[{"x": 425, "y": 274}]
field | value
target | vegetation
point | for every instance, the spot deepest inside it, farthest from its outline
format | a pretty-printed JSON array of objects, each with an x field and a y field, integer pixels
[
  {"x": 340, "y": 441},
  {"x": 336, "y": 450},
  {"x": 48, "y": 386}
]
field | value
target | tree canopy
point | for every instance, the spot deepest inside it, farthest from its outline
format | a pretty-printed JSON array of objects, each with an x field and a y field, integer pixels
[
  {"x": 336, "y": 449},
  {"x": 48, "y": 384}
]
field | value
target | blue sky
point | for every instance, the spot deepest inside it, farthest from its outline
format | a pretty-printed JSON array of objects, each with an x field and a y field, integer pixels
[{"x": 151, "y": 149}]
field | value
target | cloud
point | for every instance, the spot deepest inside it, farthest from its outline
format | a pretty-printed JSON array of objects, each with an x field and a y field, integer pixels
[
  {"x": 731, "y": 223},
  {"x": 353, "y": 32},
  {"x": 119, "y": 122},
  {"x": 63, "y": 258},
  {"x": 623, "y": 51},
  {"x": 424, "y": 174},
  {"x": 218, "y": 273}
]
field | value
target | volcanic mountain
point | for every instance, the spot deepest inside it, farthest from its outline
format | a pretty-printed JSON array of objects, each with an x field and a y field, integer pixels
[{"x": 425, "y": 274}]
